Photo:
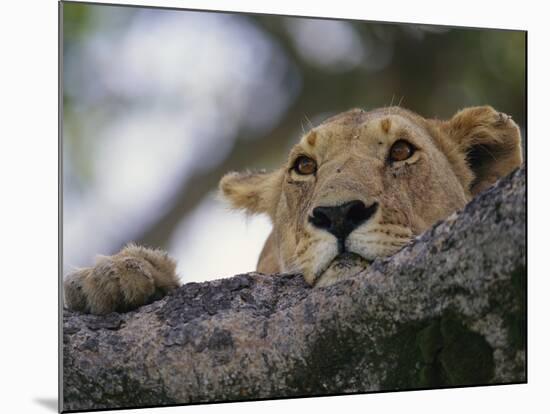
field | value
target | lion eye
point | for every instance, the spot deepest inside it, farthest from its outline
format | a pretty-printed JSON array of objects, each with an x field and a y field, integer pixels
[
  {"x": 401, "y": 150},
  {"x": 304, "y": 165}
]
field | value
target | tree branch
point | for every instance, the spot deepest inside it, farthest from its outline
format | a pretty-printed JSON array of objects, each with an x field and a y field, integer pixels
[{"x": 447, "y": 310}]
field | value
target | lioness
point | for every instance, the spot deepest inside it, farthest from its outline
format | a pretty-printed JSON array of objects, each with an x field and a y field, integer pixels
[{"x": 359, "y": 186}]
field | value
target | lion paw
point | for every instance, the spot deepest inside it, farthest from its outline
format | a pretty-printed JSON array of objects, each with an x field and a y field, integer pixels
[{"x": 133, "y": 277}]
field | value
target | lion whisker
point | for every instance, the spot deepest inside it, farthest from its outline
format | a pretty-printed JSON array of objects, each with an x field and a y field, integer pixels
[
  {"x": 400, "y": 101},
  {"x": 309, "y": 122}
]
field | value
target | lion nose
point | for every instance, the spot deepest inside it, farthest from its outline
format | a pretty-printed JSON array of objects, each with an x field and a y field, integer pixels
[{"x": 343, "y": 219}]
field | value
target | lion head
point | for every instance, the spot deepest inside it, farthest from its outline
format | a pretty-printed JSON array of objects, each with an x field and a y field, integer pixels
[{"x": 362, "y": 184}]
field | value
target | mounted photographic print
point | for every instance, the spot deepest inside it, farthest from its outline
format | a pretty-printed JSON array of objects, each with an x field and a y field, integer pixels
[{"x": 266, "y": 206}]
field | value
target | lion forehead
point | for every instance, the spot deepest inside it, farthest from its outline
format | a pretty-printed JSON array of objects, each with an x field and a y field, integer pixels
[{"x": 360, "y": 133}]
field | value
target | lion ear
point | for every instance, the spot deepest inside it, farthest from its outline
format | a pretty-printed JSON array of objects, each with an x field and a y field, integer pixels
[
  {"x": 490, "y": 141},
  {"x": 255, "y": 192}
]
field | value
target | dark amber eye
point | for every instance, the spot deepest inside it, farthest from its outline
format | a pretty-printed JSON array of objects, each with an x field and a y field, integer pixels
[
  {"x": 401, "y": 150},
  {"x": 304, "y": 165}
]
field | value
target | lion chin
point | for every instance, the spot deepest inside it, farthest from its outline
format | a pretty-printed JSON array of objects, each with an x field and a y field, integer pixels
[{"x": 342, "y": 266}]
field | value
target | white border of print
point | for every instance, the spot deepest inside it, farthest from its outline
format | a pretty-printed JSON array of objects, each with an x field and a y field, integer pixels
[{"x": 28, "y": 219}]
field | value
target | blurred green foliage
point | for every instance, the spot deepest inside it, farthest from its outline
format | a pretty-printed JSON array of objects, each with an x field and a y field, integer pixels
[{"x": 432, "y": 70}]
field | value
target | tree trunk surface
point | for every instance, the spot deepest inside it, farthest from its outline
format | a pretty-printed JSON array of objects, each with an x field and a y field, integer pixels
[{"x": 449, "y": 309}]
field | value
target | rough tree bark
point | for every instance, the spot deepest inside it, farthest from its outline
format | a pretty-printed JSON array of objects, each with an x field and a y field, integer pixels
[{"x": 447, "y": 310}]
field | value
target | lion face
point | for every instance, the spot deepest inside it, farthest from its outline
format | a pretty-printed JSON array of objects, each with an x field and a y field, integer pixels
[{"x": 363, "y": 184}]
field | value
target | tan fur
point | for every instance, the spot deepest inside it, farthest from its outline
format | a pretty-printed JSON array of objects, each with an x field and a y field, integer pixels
[
  {"x": 454, "y": 160},
  {"x": 385, "y": 124},
  {"x": 133, "y": 277},
  {"x": 311, "y": 138}
]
